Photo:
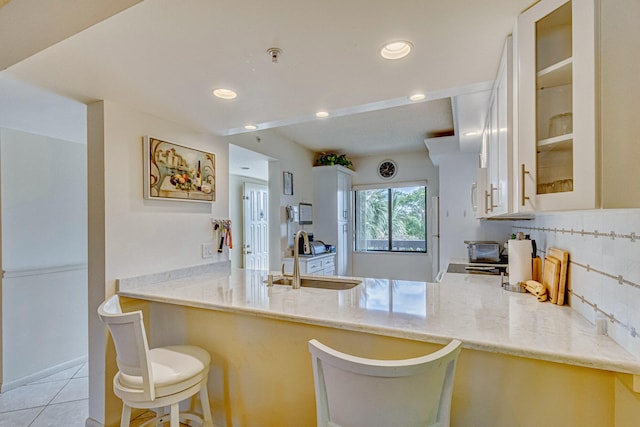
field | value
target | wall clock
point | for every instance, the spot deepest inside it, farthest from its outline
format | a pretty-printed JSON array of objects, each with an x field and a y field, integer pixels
[{"x": 387, "y": 169}]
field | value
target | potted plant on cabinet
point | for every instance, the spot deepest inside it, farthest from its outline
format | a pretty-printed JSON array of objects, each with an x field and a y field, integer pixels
[{"x": 332, "y": 159}]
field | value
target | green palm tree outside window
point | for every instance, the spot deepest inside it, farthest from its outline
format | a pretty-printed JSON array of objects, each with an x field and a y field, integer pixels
[{"x": 391, "y": 219}]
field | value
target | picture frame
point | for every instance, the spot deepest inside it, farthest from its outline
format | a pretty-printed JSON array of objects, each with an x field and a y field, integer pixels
[
  {"x": 287, "y": 178},
  {"x": 176, "y": 172},
  {"x": 306, "y": 213}
]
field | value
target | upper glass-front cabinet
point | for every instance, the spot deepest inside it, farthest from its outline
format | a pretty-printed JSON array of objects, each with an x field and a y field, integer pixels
[{"x": 556, "y": 88}]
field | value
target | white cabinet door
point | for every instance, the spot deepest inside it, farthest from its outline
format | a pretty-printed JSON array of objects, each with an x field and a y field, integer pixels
[
  {"x": 557, "y": 121},
  {"x": 478, "y": 198},
  {"x": 329, "y": 266},
  {"x": 344, "y": 188},
  {"x": 319, "y": 265},
  {"x": 343, "y": 250},
  {"x": 504, "y": 132},
  {"x": 332, "y": 212},
  {"x": 493, "y": 150},
  {"x": 498, "y": 142},
  {"x": 313, "y": 266}
]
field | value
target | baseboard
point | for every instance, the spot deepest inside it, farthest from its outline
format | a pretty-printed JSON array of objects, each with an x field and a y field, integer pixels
[
  {"x": 42, "y": 374},
  {"x": 90, "y": 422}
]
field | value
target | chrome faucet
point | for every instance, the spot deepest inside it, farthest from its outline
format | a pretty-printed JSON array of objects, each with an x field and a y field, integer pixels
[{"x": 296, "y": 260}]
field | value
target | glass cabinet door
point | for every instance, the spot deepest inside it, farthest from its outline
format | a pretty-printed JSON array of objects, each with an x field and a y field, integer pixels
[
  {"x": 554, "y": 102},
  {"x": 556, "y": 88}
]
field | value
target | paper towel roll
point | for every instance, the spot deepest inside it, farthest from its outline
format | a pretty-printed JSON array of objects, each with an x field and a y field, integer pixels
[{"x": 519, "y": 261}]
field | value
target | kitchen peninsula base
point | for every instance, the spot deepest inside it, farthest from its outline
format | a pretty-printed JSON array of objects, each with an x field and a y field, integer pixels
[
  {"x": 523, "y": 362},
  {"x": 261, "y": 374}
]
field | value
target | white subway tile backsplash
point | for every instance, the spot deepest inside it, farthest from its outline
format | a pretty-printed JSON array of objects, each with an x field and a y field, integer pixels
[{"x": 604, "y": 271}]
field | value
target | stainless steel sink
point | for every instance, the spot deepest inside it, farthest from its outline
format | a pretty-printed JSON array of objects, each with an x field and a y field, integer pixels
[{"x": 335, "y": 283}]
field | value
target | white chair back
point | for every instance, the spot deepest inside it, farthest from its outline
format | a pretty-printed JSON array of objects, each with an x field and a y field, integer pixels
[
  {"x": 353, "y": 391},
  {"x": 130, "y": 339}
]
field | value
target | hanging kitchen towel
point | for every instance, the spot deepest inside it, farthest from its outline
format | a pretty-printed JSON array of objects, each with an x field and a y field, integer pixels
[{"x": 519, "y": 261}]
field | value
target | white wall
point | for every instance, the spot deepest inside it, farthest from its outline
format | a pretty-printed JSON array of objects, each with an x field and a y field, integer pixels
[
  {"x": 45, "y": 318},
  {"x": 131, "y": 236},
  {"x": 457, "y": 219},
  {"x": 611, "y": 283},
  {"x": 291, "y": 157},
  {"x": 44, "y": 200},
  {"x": 411, "y": 167},
  {"x": 44, "y": 247}
]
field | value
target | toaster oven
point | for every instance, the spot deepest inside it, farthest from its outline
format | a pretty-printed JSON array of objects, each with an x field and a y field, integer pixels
[{"x": 483, "y": 251}]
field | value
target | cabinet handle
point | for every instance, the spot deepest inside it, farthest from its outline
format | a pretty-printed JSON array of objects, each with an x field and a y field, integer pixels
[
  {"x": 491, "y": 197},
  {"x": 523, "y": 173},
  {"x": 486, "y": 203},
  {"x": 474, "y": 194}
]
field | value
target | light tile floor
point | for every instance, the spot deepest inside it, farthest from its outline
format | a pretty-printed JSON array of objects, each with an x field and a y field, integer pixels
[{"x": 60, "y": 400}]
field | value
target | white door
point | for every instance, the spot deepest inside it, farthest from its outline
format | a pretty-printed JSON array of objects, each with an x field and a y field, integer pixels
[{"x": 255, "y": 247}]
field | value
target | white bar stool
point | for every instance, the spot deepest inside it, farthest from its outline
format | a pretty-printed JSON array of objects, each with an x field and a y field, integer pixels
[
  {"x": 357, "y": 392},
  {"x": 155, "y": 378}
]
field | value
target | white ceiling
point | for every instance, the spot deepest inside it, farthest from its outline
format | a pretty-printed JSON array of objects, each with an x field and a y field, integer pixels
[
  {"x": 164, "y": 57},
  {"x": 248, "y": 163},
  {"x": 399, "y": 128},
  {"x": 48, "y": 22}
]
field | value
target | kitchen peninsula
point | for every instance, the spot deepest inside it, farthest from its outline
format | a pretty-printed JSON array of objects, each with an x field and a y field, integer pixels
[{"x": 519, "y": 355}]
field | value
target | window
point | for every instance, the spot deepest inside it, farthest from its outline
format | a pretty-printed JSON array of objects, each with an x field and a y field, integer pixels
[{"x": 391, "y": 219}]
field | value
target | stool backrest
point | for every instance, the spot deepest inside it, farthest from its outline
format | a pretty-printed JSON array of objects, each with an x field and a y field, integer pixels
[
  {"x": 354, "y": 391},
  {"x": 130, "y": 339}
]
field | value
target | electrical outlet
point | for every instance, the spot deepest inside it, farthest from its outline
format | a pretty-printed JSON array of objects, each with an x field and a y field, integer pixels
[{"x": 207, "y": 250}]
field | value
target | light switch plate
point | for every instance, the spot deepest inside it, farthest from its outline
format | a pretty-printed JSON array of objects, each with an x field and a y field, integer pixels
[{"x": 207, "y": 250}]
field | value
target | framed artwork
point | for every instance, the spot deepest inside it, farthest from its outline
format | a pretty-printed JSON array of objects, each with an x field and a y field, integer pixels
[
  {"x": 175, "y": 172},
  {"x": 288, "y": 183}
]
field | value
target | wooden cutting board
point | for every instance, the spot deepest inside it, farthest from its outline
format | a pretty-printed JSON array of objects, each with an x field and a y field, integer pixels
[
  {"x": 536, "y": 269},
  {"x": 563, "y": 257},
  {"x": 551, "y": 277}
]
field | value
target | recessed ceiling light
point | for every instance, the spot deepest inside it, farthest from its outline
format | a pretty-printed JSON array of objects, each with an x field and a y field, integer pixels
[
  {"x": 396, "y": 50},
  {"x": 417, "y": 97},
  {"x": 250, "y": 127},
  {"x": 225, "y": 93},
  {"x": 322, "y": 114}
]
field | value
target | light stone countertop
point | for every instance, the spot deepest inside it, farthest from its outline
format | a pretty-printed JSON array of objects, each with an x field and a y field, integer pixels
[{"x": 471, "y": 308}]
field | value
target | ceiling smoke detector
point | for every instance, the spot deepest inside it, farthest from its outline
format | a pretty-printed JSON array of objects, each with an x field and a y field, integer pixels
[{"x": 274, "y": 53}]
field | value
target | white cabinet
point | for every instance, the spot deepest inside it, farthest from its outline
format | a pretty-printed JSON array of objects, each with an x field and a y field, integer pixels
[
  {"x": 344, "y": 192},
  {"x": 557, "y": 122},
  {"x": 478, "y": 194},
  {"x": 332, "y": 212},
  {"x": 319, "y": 265},
  {"x": 577, "y": 88},
  {"x": 497, "y": 142}
]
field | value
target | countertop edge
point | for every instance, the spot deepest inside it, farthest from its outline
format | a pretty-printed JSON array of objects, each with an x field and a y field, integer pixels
[{"x": 584, "y": 361}]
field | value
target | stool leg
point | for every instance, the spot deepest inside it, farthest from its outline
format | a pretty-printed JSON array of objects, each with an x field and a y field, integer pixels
[
  {"x": 126, "y": 415},
  {"x": 204, "y": 403},
  {"x": 175, "y": 415}
]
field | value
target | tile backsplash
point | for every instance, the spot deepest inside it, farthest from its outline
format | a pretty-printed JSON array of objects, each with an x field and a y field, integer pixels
[{"x": 604, "y": 265}]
